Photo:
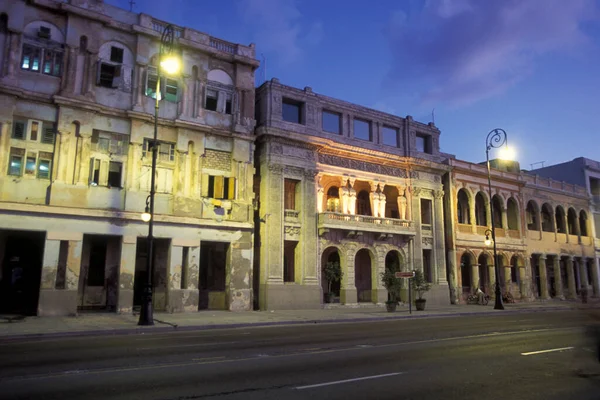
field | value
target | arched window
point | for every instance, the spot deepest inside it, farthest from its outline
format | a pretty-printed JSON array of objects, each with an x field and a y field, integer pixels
[
  {"x": 572, "y": 222},
  {"x": 583, "y": 223},
  {"x": 463, "y": 209},
  {"x": 531, "y": 216},
  {"x": 560, "y": 220},
  {"x": 547, "y": 223},
  {"x": 333, "y": 199},
  {"x": 497, "y": 205},
  {"x": 218, "y": 95},
  {"x": 363, "y": 203},
  {"x": 512, "y": 210},
  {"x": 480, "y": 216}
]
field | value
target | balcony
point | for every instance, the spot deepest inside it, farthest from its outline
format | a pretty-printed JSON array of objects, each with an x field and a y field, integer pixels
[
  {"x": 465, "y": 228},
  {"x": 365, "y": 223},
  {"x": 514, "y": 233},
  {"x": 481, "y": 230},
  {"x": 291, "y": 215}
]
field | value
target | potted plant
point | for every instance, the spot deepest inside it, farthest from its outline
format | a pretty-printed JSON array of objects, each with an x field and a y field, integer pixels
[
  {"x": 333, "y": 273},
  {"x": 392, "y": 285},
  {"x": 420, "y": 286}
]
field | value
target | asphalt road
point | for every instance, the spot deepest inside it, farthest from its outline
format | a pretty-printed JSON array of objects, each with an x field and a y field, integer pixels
[{"x": 544, "y": 355}]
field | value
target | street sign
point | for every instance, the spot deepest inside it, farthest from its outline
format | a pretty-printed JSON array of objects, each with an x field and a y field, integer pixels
[{"x": 410, "y": 274}]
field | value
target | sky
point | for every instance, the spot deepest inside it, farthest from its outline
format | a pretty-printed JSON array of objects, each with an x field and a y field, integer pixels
[{"x": 530, "y": 67}]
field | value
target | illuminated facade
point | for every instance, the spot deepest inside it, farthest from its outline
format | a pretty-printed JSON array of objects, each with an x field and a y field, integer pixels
[
  {"x": 343, "y": 183},
  {"x": 77, "y": 90}
]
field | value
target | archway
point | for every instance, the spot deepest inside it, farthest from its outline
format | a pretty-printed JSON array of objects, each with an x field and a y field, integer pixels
[
  {"x": 531, "y": 215},
  {"x": 535, "y": 275},
  {"x": 363, "y": 203},
  {"x": 547, "y": 222},
  {"x": 572, "y": 222},
  {"x": 362, "y": 276},
  {"x": 333, "y": 199},
  {"x": 393, "y": 263},
  {"x": 466, "y": 267},
  {"x": 512, "y": 211},
  {"x": 560, "y": 220},
  {"x": 484, "y": 272},
  {"x": 480, "y": 210},
  {"x": 330, "y": 255},
  {"x": 583, "y": 223},
  {"x": 497, "y": 206}
]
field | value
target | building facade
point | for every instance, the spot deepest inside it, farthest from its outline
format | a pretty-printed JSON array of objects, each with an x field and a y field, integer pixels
[
  {"x": 337, "y": 182},
  {"x": 544, "y": 235},
  {"x": 77, "y": 88}
]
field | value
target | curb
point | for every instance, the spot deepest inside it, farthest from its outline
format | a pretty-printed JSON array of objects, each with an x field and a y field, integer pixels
[{"x": 191, "y": 328}]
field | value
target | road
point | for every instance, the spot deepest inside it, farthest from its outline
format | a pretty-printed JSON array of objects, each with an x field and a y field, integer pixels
[{"x": 543, "y": 355}]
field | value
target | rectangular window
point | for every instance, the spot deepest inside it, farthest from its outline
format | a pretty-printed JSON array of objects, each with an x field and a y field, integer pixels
[
  {"x": 31, "y": 58},
  {"x": 171, "y": 90},
  {"x": 290, "y": 194},
  {"x": 108, "y": 74},
  {"x": 95, "y": 172},
  {"x": 292, "y": 111},
  {"x": 30, "y": 164},
  {"x": 423, "y": 143},
  {"x": 15, "y": 166},
  {"x": 151, "y": 82},
  {"x": 427, "y": 269},
  {"x": 331, "y": 122},
  {"x": 362, "y": 129},
  {"x": 48, "y": 134},
  {"x": 426, "y": 212},
  {"x": 33, "y": 131},
  {"x": 114, "y": 174},
  {"x": 166, "y": 151},
  {"x": 19, "y": 130},
  {"x": 212, "y": 97},
  {"x": 389, "y": 136},
  {"x": 513, "y": 274},
  {"x": 228, "y": 102},
  {"x": 44, "y": 166},
  {"x": 116, "y": 55},
  {"x": 221, "y": 187},
  {"x": 52, "y": 62},
  {"x": 110, "y": 143}
]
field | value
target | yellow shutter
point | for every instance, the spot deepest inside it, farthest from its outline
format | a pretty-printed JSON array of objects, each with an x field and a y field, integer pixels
[
  {"x": 204, "y": 185},
  {"x": 103, "y": 173},
  {"x": 231, "y": 189},
  {"x": 218, "y": 192}
]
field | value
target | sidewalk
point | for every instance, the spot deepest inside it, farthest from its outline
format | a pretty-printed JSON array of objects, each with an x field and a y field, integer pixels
[{"x": 94, "y": 323}]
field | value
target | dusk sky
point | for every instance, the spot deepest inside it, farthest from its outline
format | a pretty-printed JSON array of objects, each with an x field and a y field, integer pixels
[{"x": 531, "y": 67}]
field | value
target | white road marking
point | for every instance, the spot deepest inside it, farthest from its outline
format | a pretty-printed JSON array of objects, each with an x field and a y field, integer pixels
[
  {"x": 184, "y": 345},
  {"x": 531, "y": 353},
  {"x": 364, "y": 378}
]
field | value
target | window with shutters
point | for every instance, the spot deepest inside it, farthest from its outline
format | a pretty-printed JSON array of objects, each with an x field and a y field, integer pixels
[
  {"x": 219, "y": 187},
  {"x": 19, "y": 127},
  {"x": 166, "y": 151},
  {"x": 44, "y": 165},
  {"x": 109, "y": 154},
  {"x": 15, "y": 161},
  {"x": 111, "y": 71},
  {"x": 290, "y": 187},
  {"x": 218, "y": 97},
  {"x": 110, "y": 143},
  {"x": 168, "y": 86},
  {"x": 36, "y": 58},
  {"x": 163, "y": 179},
  {"x": 33, "y": 130}
]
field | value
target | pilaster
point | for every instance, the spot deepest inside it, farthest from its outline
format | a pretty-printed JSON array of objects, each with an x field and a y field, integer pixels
[
  {"x": 543, "y": 278},
  {"x": 571, "y": 278},
  {"x": 558, "y": 284},
  {"x": 127, "y": 274}
]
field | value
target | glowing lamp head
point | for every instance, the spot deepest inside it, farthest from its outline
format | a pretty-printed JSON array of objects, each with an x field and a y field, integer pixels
[
  {"x": 487, "y": 241},
  {"x": 507, "y": 153},
  {"x": 170, "y": 65},
  {"x": 146, "y": 217}
]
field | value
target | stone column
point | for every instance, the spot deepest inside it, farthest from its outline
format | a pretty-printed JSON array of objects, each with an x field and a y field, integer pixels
[
  {"x": 522, "y": 271},
  {"x": 439, "y": 248},
  {"x": 91, "y": 76},
  {"x": 507, "y": 277},
  {"x": 127, "y": 274},
  {"x": 474, "y": 277},
  {"x": 452, "y": 269},
  {"x": 558, "y": 278},
  {"x": 492, "y": 277},
  {"x": 595, "y": 278},
  {"x": 309, "y": 256},
  {"x": 69, "y": 76},
  {"x": 402, "y": 202},
  {"x": 63, "y": 157},
  {"x": 348, "y": 294},
  {"x": 320, "y": 195},
  {"x": 504, "y": 219},
  {"x": 571, "y": 278},
  {"x": 472, "y": 217},
  {"x": 374, "y": 197},
  {"x": 54, "y": 301},
  {"x": 84, "y": 159},
  {"x": 351, "y": 197},
  {"x": 13, "y": 56},
  {"x": 543, "y": 278}
]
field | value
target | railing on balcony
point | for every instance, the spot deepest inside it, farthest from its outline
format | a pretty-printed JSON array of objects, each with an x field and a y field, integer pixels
[
  {"x": 291, "y": 214},
  {"x": 222, "y": 45},
  {"x": 464, "y": 228},
  {"x": 159, "y": 27},
  {"x": 367, "y": 222},
  {"x": 481, "y": 230},
  {"x": 586, "y": 240},
  {"x": 561, "y": 237},
  {"x": 500, "y": 232}
]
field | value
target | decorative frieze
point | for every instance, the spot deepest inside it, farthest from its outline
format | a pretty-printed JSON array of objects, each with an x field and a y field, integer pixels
[{"x": 362, "y": 165}]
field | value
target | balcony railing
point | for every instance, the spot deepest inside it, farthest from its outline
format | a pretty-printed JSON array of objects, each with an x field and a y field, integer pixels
[
  {"x": 222, "y": 45},
  {"x": 481, "y": 230},
  {"x": 465, "y": 228},
  {"x": 365, "y": 223},
  {"x": 160, "y": 26},
  {"x": 514, "y": 234},
  {"x": 293, "y": 214}
]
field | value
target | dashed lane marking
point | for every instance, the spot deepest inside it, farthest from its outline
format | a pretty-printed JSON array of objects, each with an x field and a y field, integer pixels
[{"x": 532, "y": 353}]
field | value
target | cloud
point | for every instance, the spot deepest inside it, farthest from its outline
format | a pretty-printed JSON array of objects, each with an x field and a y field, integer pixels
[
  {"x": 462, "y": 51},
  {"x": 278, "y": 27}
]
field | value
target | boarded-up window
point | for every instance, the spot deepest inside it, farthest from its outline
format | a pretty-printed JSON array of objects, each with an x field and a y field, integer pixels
[{"x": 290, "y": 194}]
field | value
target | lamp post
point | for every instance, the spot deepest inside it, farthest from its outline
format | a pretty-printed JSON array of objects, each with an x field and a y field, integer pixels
[
  {"x": 495, "y": 139},
  {"x": 170, "y": 65}
]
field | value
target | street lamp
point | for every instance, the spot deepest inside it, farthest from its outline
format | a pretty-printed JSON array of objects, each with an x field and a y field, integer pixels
[
  {"x": 495, "y": 139},
  {"x": 170, "y": 64},
  {"x": 487, "y": 241}
]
